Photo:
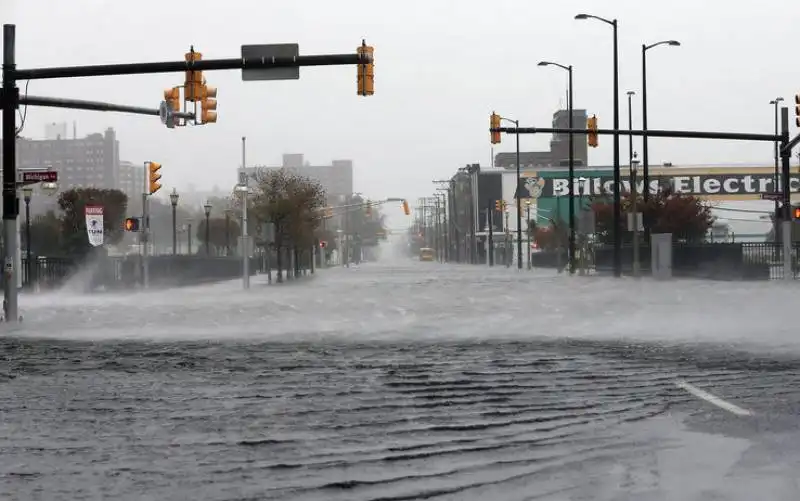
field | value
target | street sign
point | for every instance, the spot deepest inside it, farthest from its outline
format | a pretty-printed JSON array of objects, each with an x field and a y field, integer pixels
[
  {"x": 772, "y": 196},
  {"x": 268, "y": 51},
  {"x": 49, "y": 176}
]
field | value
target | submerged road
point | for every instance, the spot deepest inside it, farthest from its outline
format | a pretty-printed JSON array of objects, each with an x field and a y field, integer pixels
[{"x": 405, "y": 381}]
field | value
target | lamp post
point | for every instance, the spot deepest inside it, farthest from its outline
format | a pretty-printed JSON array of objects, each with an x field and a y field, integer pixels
[
  {"x": 27, "y": 192},
  {"x": 228, "y": 231},
  {"x": 645, "y": 158},
  {"x": 243, "y": 189},
  {"x": 528, "y": 231},
  {"x": 570, "y": 110},
  {"x": 617, "y": 198},
  {"x": 634, "y": 169},
  {"x": 207, "y": 209},
  {"x": 776, "y": 180},
  {"x": 518, "y": 202},
  {"x": 173, "y": 200}
]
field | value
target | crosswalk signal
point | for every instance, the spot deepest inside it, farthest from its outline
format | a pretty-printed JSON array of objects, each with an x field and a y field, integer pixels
[
  {"x": 153, "y": 176},
  {"x": 131, "y": 224},
  {"x": 366, "y": 72},
  {"x": 796, "y": 212},
  {"x": 494, "y": 123},
  {"x": 797, "y": 109},
  {"x": 591, "y": 124},
  {"x": 193, "y": 80},
  {"x": 208, "y": 104},
  {"x": 406, "y": 210}
]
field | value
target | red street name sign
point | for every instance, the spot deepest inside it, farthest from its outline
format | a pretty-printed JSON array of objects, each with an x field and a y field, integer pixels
[{"x": 40, "y": 177}]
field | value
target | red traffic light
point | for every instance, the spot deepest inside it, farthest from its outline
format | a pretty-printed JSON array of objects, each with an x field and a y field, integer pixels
[
  {"x": 131, "y": 224},
  {"x": 323, "y": 244}
]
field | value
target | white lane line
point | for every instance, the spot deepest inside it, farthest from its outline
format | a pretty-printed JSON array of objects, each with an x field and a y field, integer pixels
[{"x": 708, "y": 397}]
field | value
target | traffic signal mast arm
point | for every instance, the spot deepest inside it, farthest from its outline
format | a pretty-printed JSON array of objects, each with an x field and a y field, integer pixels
[
  {"x": 741, "y": 136},
  {"x": 202, "y": 65},
  {"x": 79, "y": 104}
]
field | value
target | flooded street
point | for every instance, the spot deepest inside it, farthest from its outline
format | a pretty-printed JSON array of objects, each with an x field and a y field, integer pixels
[{"x": 410, "y": 381}]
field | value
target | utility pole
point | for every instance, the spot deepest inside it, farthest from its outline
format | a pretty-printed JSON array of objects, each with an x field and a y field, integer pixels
[{"x": 245, "y": 236}]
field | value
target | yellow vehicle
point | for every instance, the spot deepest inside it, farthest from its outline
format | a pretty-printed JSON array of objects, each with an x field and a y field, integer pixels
[{"x": 426, "y": 254}]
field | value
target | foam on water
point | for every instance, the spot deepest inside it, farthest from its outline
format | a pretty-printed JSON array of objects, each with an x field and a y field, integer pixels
[{"x": 403, "y": 299}]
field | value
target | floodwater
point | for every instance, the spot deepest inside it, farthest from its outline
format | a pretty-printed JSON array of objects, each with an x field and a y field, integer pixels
[{"x": 405, "y": 380}]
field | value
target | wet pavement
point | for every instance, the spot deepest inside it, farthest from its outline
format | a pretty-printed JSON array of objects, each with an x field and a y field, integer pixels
[{"x": 404, "y": 380}]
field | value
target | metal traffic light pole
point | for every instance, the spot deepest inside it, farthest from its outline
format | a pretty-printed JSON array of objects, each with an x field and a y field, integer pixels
[
  {"x": 10, "y": 101},
  {"x": 783, "y": 139}
]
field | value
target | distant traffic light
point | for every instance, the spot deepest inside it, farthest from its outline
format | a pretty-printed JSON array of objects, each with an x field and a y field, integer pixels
[
  {"x": 499, "y": 205},
  {"x": 366, "y": 72},
  {"x": 323, "y": 244},
  {"x": 796, "y": 212},
  {"x": 406, "y": 210},
  {"x": 208, "y": 104},
  {"x": 797, "y": 109},
  {"x": 591, "y": 124},
  {"x": 131, "y": 224},
  {"x": 153, "y": 176},
  {"x": 494, "y": 123},
  {"x": 193, "y": 80}
]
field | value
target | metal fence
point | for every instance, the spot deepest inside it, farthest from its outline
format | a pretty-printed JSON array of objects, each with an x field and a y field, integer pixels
[{"x": 718, "y": 261}]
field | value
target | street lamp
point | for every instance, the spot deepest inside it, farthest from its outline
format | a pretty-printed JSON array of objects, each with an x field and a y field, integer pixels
[
  {"x": 228, "y": 211},
  {"x": 519, "y": 201},
  {"x": 173, "y": 199},
  {"x": 27, "y": 192},
  {"x": 776, "y": 182},
  {"x": 207, "y": 209},
  {"x": 630, "y": 125},
  {"x": 568, "y": 69},
  {"x": 617, "y": 199},
  {"x": 645, "y": 157},
  {"x": 244, "y": 189},
  {"x": 634, "y": 169},
  {"x": 528, "y": 231}
]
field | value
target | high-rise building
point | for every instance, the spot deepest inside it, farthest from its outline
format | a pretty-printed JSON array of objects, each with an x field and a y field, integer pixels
[
  {"x": 91, "y": 161},
  {"x": 336, "y": 179}
]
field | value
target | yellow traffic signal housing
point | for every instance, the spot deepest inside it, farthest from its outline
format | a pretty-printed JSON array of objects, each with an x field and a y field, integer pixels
[
  {"x": 591, "y": 124},
  {"x": 494, "y": 123},
  {"x": 406, "y": 210},
  {"x": 173, "y": 98},
  {"x": 153, "y": 176},
  {"x": 366, "y": 72},
  {"x": 797, "y": 109},
  {"x": 131, "y": 224},
  {"x": 498, "y": 205},
  {"x": 193, "y": 81},
  {"x": 208, "y": 104}
]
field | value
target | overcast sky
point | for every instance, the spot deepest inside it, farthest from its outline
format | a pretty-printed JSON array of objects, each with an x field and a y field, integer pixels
[{"x": 441, "y": 67}]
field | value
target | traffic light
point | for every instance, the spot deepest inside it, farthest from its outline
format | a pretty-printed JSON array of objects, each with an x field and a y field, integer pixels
[
  {"x": 797, "y": 109},
  {"x": 499, "y": 205},
  {"x": 796, "y": 212},
  {"x": 208, "y": 104},
  {"x": 366, "y": 72},
  {"x": 173, "y": 98},
  {"x": 193, "y": 81},
  {"x": 406, "y": 210},
  {"x": 591, "y": 124},
  {"x": 494, "y": 123},
  {"x": 323, "y": 244},
  {"x": 153, "y": 176},
  {"x": 131, "y": 224}
]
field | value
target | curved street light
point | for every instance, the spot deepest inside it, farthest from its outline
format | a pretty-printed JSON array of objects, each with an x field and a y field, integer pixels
[
  {"x": 571, "y": 196},
  {"x": 617, "y": 199}
]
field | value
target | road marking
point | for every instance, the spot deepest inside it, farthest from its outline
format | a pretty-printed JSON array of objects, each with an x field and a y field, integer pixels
[{"x": 708, "y": 397}]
